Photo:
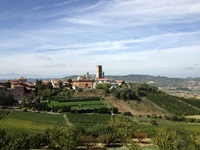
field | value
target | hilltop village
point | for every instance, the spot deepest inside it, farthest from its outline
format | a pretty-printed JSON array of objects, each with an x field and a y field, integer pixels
[{"x": 20, "y": 88}]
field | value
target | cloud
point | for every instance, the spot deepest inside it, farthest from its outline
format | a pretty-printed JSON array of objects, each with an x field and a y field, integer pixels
[
  {"x": 190, "y": 68},
  {"x": 43, "y": 57},
  {"x": 193, "y": 67},
  {"x": 118, "y": 13},
  {"x": 56, "y": 65},
  {"x": 163, "y": 40},
  {"x": 55, "y": 5},
  {"x": 83, "y": 21}
]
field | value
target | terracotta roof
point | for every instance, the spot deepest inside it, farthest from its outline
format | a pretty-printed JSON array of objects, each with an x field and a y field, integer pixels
[
  {"x": 2, "y": 87},
  {"x": 28, "y": 84},
  {"x": 17, "y": 86},
  {"x": 119, "y": 81},
  {"x": 85, "y": 80},
  {"x": 103, "y": 79}
]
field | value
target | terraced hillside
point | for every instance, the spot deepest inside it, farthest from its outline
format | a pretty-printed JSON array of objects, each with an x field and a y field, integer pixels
[{"x": 175, "y": 105}]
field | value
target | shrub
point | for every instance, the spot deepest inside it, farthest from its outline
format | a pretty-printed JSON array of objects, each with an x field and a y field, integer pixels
[
  {"x": 115, "y": 110},
  {"x": 33, "y": 109},
  {"x": 153, "y": 122},
  {"x": 154, "y": 116},
  {"x": 140, "y": 136},
  {"x": 63, "y": 138},
  {"x": 127, "y": 113},
  {"x": 101, "y": 110},
  {"x": 181, "y": 119},
  {"x": 172, "y": 139},
  {"x": 24, "y": 109},
  {"x": 105, "y": 138},
  {"x": 60, "y": 111}
]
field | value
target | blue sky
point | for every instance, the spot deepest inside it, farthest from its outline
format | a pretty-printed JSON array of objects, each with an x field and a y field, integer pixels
[{"x": 65, "y": 37}]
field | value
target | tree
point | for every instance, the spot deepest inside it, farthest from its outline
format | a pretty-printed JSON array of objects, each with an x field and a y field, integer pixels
[
  {"x": 104, "y": 86},
  {"x": 174, "y": 139},
  {"x": 38, "y": 84},
  {"x": 39, "y": 140},
  {"x": 69, "y": 80},
  {"x": 49, "y": 85},
  {"x": 122, "y": 127},
  {"x": 23, "y": 103},
  {"x": 64, "y": 137},
  {"x": 4, "y": 139},
  {"x": 6, "y": 100},
  {"x": 20, "y": 140}
]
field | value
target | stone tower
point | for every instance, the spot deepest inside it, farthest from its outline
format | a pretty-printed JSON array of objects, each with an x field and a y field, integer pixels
[{"x": 98, "y": 71}]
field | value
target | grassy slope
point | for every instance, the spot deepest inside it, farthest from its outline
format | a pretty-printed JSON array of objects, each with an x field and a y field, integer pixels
[
  {"x": 30, "y": 122},
  {"x": 171, "y": 104},
  {"x": 158, "y": 103},
  {"x": 88, "y": 120},
  {"x": 83, "y": 104}
]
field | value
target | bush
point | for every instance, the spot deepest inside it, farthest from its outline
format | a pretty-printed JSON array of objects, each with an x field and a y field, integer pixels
[
  {"x": 127, "y": 113},
  {"x": 115, "y": 110},
  {"x": 33, "y": 109},
  {"x": 140, "y": 136},
  {"x": 153, "y": 122},
  {"x": 63, "y": 108},
  {"x": 105, "y": 138},
  {"x": 63, "y": 138},
  {"x": 60, "y": 111},
  {"x": 103, "y": 110},
  {"x": 172, "y": 139},
  {"x": 154, "y": 116},
  {"x": 24, "y": 109},
  {"x": 190, "y": 120}
]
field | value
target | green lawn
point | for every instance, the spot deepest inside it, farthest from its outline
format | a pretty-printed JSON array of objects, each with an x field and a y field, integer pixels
[
  {"x": 30, "y": 121},
  {"x": 81, "y": 104},
  {"x": 89, "y": 120}
]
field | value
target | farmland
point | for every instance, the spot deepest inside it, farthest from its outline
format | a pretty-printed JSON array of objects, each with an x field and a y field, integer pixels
[
  {"x": 31, "y": 122},
  {"x": 174, "y": 105},
  {"x": 81, "y": 104},
  {"x": 89, "y": 120}
]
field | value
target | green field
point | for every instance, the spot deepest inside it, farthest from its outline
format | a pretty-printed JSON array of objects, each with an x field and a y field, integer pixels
[
  {"x": 89, "y": 120},
  {"x": 80, "y": 104},
  {"x": 33, "y": 122},
  {"x": 30, "y": 121}
]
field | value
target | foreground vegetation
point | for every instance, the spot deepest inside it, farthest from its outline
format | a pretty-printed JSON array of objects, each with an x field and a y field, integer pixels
[
  {"x": 82, "y": 131},
  {"x": 30, "y": 122}
]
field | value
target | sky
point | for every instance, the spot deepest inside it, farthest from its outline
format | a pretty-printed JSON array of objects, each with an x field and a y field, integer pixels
[{"x": 66, "y": 37}]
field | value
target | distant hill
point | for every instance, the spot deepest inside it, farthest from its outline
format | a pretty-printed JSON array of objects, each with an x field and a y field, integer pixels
[
  {"x": 157, "y": 80},
  {"x": 161, "y": 81},
  {"x": 14, "y": 75}
]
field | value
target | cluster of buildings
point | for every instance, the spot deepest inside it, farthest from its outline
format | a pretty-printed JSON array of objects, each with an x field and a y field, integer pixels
[
  {"x": 20, "y": 88},
  {"x": 192, "y": 85},
  {"x": 87, "y": 82}
]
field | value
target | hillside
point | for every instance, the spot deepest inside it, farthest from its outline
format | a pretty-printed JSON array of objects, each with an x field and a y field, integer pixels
[
  {"x": 159, "y": 103},
  {"x": 156, "y": 80}
]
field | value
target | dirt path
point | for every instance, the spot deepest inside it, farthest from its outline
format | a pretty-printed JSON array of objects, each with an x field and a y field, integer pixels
[
  {"x": 68, "y": 123},
  {"x": 144, "y": 143}
]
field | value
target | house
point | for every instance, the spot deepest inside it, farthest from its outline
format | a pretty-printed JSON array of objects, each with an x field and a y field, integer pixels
[
  {"x": 82, "y": 83},
  {"x": 19, "y": 88}
]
